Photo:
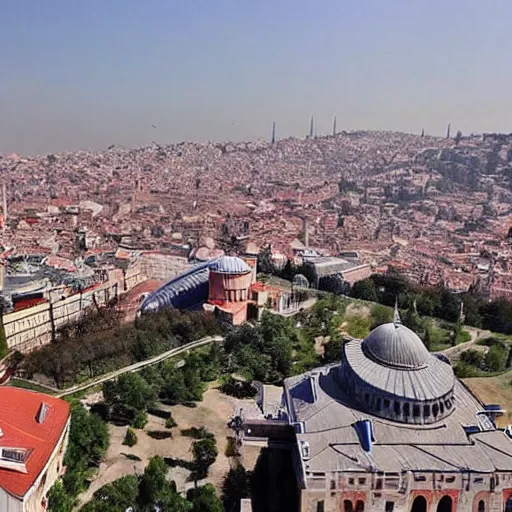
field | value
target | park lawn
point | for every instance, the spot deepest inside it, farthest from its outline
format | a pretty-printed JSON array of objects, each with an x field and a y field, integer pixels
[{"x": 494, "y": 390}]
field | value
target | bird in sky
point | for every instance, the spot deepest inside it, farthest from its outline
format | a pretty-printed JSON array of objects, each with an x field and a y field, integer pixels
[{"x": 153, "y": 126}]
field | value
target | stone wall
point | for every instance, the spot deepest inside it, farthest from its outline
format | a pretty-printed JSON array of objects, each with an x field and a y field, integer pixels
[{"x": 36, "y": 326}]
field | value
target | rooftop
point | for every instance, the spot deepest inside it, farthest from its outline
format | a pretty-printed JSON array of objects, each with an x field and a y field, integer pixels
[
  {"x": 329, "y": 416},
  {"x": 31, "y": 432}
]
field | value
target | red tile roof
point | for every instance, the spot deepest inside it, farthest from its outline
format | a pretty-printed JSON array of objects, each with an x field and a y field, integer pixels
[{"x": 18, "y": 411}]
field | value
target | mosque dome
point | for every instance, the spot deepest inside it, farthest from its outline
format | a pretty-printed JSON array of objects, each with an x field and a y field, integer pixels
[
  {"x": 230, "y": 265},
  {"x": 397, "y": 346},
  {"x": 391, "y": 374}
]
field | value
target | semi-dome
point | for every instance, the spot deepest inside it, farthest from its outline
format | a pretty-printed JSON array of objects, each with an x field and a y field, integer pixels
[
  {"x": 230, "y": 265},
  {"x": 397, "y": 346}
]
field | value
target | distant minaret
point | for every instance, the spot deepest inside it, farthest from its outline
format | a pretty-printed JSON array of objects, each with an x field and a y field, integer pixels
[
  {"x": 423, "y": 132},
  {"x": 334, "y": 126},
  {"x": 273, "y": 132},
  {"x": 311, "y": 125},
  {"x": 448, "y": 131},
  {"x": 305, "y": 224},
  {"x": 4, "y": 193}
]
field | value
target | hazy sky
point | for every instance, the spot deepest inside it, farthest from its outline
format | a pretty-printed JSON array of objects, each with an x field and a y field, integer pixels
[{"x": 90, "y": 73}]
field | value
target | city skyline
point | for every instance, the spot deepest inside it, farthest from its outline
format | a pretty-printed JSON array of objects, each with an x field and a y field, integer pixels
[{"x": 82, "y": 76}]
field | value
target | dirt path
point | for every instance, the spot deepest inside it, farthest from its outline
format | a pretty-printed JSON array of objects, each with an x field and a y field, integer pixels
[
  {"x": 213, "y": 413},
  {"x": 476, "y": 335}
]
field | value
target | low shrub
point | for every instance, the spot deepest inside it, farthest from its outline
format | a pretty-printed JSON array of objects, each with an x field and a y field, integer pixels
[{"x": 130, "y": 439}]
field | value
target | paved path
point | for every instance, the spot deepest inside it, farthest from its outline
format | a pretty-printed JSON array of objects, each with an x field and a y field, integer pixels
[{"x": 140, "y": 365}]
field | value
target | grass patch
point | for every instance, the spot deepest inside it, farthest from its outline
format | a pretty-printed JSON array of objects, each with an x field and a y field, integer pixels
[{"x": 32, "y": 386}]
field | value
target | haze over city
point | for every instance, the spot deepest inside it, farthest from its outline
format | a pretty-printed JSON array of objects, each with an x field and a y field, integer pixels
[{"x": 90, "y": 74}]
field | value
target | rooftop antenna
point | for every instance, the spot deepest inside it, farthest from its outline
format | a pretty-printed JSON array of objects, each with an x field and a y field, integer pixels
[
  {"x": 311, "y": 124},
  {"x": 334, "y": 126},
  {"x": 273, "y": 132},
  {"x": 448, "y": 131},
  {"x": 423, "y": 132},
  {"x": 396, "y": 314}
]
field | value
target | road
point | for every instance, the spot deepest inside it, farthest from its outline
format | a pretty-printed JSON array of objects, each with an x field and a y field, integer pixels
[{"x": 141, "y": 364}]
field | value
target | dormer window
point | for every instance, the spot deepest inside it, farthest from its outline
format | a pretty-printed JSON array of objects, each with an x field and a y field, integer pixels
[
  {"x": 18, "y": 455},
  {"x": 41, "y": 414}
]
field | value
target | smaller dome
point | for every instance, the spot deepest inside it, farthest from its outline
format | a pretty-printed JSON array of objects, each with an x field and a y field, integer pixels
[
  {"x": 230, "y": 265},
  {"x": 397, "y": 346}
]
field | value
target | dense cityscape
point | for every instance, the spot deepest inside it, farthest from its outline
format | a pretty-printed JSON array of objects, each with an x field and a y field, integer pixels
[{"x": 312, "y": 325}]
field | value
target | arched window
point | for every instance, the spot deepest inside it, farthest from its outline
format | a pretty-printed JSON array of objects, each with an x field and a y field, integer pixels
[
  {"x": 419, "y": 504},
  {"x": 445, "y": 505},
  {"x": 397, "y": 407},
  {"x": 378, "y": 404},
  {"x": 481, "y": 506},
  {"x": 426, "y": 411},
  {"x": 407, "y": 410},
  {"x": 441, "y": 407},
  {"x": 435, "y": 409},
  {"x": 359, "y": 506},
  {"x": 416, "y": 411},
  {"x": 347, "y": 506}
]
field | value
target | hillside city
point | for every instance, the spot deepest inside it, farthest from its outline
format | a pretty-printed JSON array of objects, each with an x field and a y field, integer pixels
[{"x": 305, "y": 325}]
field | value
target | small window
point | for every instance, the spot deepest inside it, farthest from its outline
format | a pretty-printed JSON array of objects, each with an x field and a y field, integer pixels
[
  {"x": 378, "y": 404},
  {"x": 350, "y": 481},
  {"x": 390, "y": 506},
  {"x": 333, "y": 484},
  {"x": 478, "y": 480},
  {"x": 362, "y": 481},
  {"x": 426, "y": 411},
  {"x": 435, "y": 409},
  {"x": 386, "y": 404},
  {"x": 450, "y": 479},
  {"x": 416, "y": 411},
  {"x": 448, "y": 404},
  {"x": 441, "y": 407},
  {"x": 320, "y": 506},
  {"x": 367, "y": 398},
  {"x": 397, "y": 408},
  {"x": 407, "y": 410},
  {"x": 420, "y": 478},
  {"x": 481, "y": 506}
]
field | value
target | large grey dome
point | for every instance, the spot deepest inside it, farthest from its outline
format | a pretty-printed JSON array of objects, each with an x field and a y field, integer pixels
[{"x": 397, "y": 346}]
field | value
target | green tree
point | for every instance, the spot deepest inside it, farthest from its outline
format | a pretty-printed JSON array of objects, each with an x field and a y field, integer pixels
[
  {"x": 413, "y": 321},
  {"x": 154, "y": 488},
  {"x": 205, "y": 452},
  {"x": 59, "y": 500},
  {"x": 365, "y": 290},
  {"x": 332, "y": 351},
  {"x": 88, "y": 440},
  {"x": 130, "y": 439},
  {"x": 115, "y": 497},
  {"x": 495, "y": 359},
  {"x": 4, "y": 349},
  {"x": 130, "y": 390},
  {"x": 235, "y": 487},
  {"x": 204, "y": 499},
  {"x": 381, "y": 315}
]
